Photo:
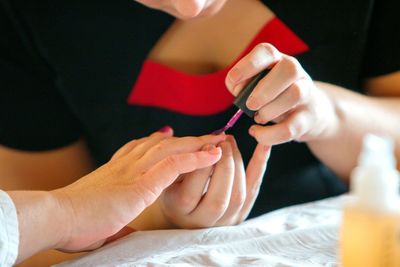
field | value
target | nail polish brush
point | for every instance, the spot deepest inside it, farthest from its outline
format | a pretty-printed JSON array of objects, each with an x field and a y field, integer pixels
[{"x": 240, "y": 102}]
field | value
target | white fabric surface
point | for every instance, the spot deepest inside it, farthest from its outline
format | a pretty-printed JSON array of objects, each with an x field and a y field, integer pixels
[
  {"x": 9, "y": 233},
  {"x": 303, "y": 235}
]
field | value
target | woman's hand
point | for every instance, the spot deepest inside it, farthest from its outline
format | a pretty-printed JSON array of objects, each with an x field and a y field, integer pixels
[
  {"x": 186, "y": 9},
  {"x": 102, "y": 203},
  {"x": 217, "y": 195},
  {"x": 286, "y": 96}
]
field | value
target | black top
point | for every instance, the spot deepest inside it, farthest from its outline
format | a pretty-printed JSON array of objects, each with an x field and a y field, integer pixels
[{"x": 67, "y": 68}]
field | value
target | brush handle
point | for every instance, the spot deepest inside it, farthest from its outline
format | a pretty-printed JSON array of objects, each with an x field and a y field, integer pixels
[{"x": 240, "y": 100}]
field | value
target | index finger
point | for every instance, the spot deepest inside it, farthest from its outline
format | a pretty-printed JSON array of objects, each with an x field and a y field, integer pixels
[
  {"x": 177, "y": 145},
  {"x": 166, "y": 171},
  {"x": 262, "y": 56}
]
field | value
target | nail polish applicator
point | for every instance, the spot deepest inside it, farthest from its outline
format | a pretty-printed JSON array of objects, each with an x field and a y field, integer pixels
[{"x": 240, "y": 102}]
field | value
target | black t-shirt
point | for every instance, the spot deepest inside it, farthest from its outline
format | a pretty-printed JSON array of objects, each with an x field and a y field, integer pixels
[{"x": 67, "y": 68}]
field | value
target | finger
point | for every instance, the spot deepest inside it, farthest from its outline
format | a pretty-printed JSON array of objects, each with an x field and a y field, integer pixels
[
  {"x": 296, "y": 94},
  {"x": 261, "y": 57},
  {"x": 287, "y": 71},
  {"x": 128, "y": 147},
  {"x": 189, "y": 192},
  {"x": 238, "y": 194},
  {"x": 296, "y": 125},
  {"x": 185, "y": 195},
  {"x": 176, "y": 146},
  {"x": 149, "y": 186},
  {"x": 254, "y": 173},
  {"x": 215, "y": 202},
  {"x": 150, "y": 142},
  {"x": 125, "y": 149}
]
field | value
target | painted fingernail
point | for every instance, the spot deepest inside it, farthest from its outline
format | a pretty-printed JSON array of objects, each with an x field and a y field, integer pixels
[
  {"x": 235, "y": 75},
  {"x": 165, "y": 129}
]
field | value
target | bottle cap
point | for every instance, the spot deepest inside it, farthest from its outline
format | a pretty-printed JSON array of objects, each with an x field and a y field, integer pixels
[
  {"x": 242, "y": 97},
  {"x": 375, "y": 181}
]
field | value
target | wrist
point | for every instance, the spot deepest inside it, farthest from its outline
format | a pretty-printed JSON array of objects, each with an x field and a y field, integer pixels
[
  {"x": 331, "y": 119},
  {"x": 66, "y": 217},
  {"x": 40, "y": 224}
]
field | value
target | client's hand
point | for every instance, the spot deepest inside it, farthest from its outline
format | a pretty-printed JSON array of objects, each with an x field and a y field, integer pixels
[
  {"x": 217, "y": 195},
  {"x": 102, "y": 203}
]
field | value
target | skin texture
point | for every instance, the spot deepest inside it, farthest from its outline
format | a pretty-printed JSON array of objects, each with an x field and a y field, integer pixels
[
  {"x": 96, "y": 208},
  {"x": 229, "y": 197},
  {"x": 330, "y": 119},
  {"x": 333, "y": 133},
  {"x": 231, "y": 192}
]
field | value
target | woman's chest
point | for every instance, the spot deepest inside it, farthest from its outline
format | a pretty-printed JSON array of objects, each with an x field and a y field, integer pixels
[{"x": 209, "y": 44}]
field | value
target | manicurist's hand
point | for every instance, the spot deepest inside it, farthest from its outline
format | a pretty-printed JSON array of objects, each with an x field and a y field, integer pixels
[
  {"x": 185, "y": 9},
  {"x": 286, "y": 96},
  {"x": 96, "y": 208},
  {"x": 218, "y": 195}
]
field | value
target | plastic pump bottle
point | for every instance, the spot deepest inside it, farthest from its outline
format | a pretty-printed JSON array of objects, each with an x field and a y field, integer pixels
[{"x": 370, "y": 232}]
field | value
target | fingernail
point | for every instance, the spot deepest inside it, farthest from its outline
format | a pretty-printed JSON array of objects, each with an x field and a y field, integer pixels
[
  {"x": 235, "y": 75},
  {"x": 257, "y": 118},
  {"x": 236, "y": 89},
  {"x": 252, "y": 103},
  {"x": 215, "y": 151},
  {"x": 251, "y": 131},
  {"x": 165, "y": 129}
]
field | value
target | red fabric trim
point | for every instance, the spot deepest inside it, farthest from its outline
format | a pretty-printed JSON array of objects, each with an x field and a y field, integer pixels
[{"x": 164, "y": 87}]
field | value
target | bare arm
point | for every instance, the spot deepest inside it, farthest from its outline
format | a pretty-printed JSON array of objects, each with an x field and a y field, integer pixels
[
  {"x": 379, "y": 113},
  {"x": 330, "y": 119},
  {"x": 49, "y": 170},
  {"x": 85, "y": 214},
  {"x": 21, "y": 170}
]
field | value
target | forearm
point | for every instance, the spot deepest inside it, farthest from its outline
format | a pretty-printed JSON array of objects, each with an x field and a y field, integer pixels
[
  {"x": 357, "y": 115},
  {"x": 42, "y": 222}
]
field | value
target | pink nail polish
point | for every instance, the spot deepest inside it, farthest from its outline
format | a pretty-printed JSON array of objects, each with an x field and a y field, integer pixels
[{"x": 165, "y": 129}]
